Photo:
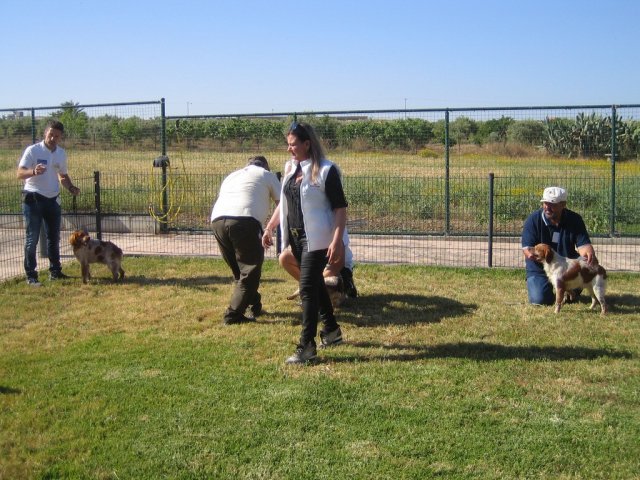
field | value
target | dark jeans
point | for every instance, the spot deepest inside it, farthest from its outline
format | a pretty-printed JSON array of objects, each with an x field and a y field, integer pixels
[
  {"x": 241, "y": 247},
  {"x": 38, "y": 210},
  {"x": 313, "y": 292}
]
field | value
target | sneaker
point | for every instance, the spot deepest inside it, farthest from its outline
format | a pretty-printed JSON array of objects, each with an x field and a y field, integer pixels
[
  {"x": 304, "y": 353},
  {"x": 58, "y": 276},
  {"x": 331, "y": 339},
  {"x": 237, "y": 319},
  {"x": 33, "y": 282}
]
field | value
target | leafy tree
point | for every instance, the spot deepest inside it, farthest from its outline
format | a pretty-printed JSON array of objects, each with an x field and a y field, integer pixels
[
  {"x": 462, "y": 129},
  {"x": 494, "y": 130},
  {"x": 127, "y": 130},
  {"x": 74, "y": 119},
  {"x": 438, "y": 129},
  {"x": 527, "y": 132}
]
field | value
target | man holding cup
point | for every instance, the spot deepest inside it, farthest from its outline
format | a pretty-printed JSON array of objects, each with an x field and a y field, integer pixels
[{"x": 43, "y": 167}]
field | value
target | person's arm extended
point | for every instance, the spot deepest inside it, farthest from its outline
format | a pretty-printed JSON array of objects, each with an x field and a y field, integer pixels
[
  {"x": 336, "y": 249},
  {"x": 65, "y": 181},
  {"x": 273, "y": 222}
]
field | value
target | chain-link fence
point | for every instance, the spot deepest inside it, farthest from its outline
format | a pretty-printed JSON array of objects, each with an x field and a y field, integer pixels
[{"x": 434, "y": 187}]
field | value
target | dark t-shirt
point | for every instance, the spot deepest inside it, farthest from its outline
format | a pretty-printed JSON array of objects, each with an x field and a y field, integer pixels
[
  {"x": 332, "y": 188},
  {"x": 570, "y": 233}
]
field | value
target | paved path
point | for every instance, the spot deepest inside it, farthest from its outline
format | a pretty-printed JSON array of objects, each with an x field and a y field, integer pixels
[{"x": 617, "y": 254}]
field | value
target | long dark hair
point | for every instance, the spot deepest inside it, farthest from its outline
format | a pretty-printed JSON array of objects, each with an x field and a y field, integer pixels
[{"x": 303, "y": 132}]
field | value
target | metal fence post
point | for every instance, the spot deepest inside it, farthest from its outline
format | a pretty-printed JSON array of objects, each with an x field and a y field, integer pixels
[
  {"x": 614, "y": 148},
  {"x": 165, "y": 199},
  {"x": 33, "y": 125},
  {"x": 96, "y": 196},
  {"x": 490, "y": 233},
  {"x": 163, "y": 128},
  {"x": 447, "y": 212},
  {"x": 278, "y": 229}
]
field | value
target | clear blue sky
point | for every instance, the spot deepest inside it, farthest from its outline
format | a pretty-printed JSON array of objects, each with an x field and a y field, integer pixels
[{"x": 245, "y": 56}]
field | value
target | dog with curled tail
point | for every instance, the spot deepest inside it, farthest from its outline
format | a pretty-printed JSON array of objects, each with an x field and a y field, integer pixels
[
  {"x": 568, "y": 274},
  {"x": 88, "y": 250}
]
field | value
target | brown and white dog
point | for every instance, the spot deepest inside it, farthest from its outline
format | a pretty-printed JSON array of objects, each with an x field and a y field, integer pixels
[
  {"x": 335, "y": 287},
  {"x": 88, "y": 250},
  {"x": 567, "y": 274}
]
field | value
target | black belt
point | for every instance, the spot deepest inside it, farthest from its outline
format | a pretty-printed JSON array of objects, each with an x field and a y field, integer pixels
[{"x": 30, "y": 197}]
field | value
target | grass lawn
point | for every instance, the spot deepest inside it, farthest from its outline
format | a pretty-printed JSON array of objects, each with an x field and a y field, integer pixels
[{"x": 445, "y": 373}]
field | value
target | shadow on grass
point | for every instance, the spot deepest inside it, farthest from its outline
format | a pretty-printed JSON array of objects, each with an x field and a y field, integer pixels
[
  {"x": 186, "y": 282},
  {"x": 382, "y": 310},
  {"x": 276, "y": 316},
  {"x": 8, "y": 390},
  {"x": 482, "y": 352},
  {"x": 622, "y": 304},
  {"x": 401, "y": 309}
]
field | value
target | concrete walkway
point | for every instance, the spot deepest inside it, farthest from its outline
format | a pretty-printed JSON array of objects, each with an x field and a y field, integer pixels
[{"x": 614, "y": 254}]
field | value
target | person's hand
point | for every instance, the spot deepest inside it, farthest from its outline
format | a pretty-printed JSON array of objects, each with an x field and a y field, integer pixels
[
  {"x": 267, "y": 241},
  {"x": 589, "y": 254},
  {"x": 591, "y": 258},
  {"x": 74, "y": 190}
]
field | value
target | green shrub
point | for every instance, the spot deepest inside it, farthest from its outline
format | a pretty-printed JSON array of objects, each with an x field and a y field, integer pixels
[{"x": 528, "y": 132}]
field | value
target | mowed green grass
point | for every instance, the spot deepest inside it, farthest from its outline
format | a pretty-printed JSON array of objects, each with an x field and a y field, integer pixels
[{"x": 445, "y": 373}]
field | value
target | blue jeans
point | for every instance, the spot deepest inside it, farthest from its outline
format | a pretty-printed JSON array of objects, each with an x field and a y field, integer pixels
[
  {"x": 539, "y": 289},
  {"x": 38, "y": 209}
]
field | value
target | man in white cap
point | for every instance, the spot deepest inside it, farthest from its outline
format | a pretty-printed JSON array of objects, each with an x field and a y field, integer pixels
[{"x": 562, "y": 229}]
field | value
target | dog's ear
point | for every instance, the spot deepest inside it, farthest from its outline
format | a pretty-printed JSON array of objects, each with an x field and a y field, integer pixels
[
  {"x": 73, "y": 238},
  {"x": 548, "y": 254},
  {"x": 538, "y": 252}
]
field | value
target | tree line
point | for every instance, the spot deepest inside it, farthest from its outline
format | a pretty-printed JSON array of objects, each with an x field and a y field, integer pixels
[{"x": 584, "y": 135}]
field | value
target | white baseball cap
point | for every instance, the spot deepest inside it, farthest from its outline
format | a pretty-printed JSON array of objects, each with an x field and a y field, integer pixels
[{"x": 554, "y": 195}]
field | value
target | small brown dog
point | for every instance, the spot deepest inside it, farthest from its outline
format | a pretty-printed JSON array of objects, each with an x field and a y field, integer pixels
[
  {"x": 89, "y": 251},
  {"x": 566, "y": 274}
]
